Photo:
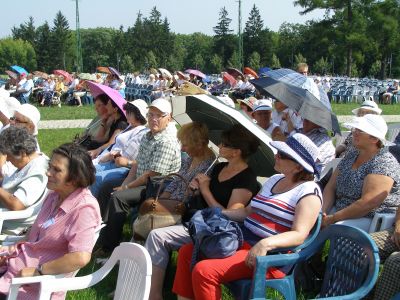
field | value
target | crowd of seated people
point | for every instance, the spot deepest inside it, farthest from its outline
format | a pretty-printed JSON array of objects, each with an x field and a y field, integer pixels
[{"x": 129, "y": 145}]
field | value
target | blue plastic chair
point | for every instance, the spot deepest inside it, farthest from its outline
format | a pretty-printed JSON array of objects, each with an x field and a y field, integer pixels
[
  {"x": 241, "y": 288},
  {"x": 351, "y": 270}
]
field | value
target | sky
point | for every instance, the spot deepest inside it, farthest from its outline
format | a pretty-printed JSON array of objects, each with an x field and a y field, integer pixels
[{"x": 183, "y": 16}]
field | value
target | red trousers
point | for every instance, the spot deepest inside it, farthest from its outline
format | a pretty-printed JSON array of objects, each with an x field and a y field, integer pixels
[{"x": 204, "y": 282}]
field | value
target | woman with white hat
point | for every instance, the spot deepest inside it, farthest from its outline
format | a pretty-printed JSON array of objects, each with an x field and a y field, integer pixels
[
  {"x": 116, "y": 162},
  {"x": 366, "y": 180},
  {"x": 367, "y": 107},
  {"x": 291, "y": 196}
]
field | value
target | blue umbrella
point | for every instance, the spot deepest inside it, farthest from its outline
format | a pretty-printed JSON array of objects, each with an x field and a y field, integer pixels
[
  {"x": 263, "y": 70},
  {"x": 19, "y": 69},
  {"x": 300, "y": 94}
]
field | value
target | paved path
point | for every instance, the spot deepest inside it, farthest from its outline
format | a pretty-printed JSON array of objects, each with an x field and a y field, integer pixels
[{"x": 57, "y": 124}]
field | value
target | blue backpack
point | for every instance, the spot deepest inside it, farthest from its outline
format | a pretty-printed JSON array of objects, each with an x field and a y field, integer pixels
[{"x": 213, "y": 235}]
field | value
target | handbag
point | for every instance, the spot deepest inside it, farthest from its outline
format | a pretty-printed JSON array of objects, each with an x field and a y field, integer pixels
[
  {"x": 213, "y": 235},
  {"x": 156, "y": 212}
]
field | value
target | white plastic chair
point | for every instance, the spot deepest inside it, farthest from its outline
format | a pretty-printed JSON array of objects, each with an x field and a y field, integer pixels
[
  {"x": 28, "y": 212},
  {"x": 381, "y": 222},
  {"x": 133, "y": 282}
]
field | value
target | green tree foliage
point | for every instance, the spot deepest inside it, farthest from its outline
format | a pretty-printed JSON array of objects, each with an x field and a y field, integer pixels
[
  {"x": 234, "y": 61},
  {"x": 17, "y": 52},
  {"x": 25, "y": 31},
  {"x": 275, "y": 63},
  {"x": 255, "y": 60},
  {"x": 223, "y": 39},
  {"x": 43, "y": 51},
  {"x": 321, "y": 66},
  {"x": 61, "y": 44},
  {"x": 216, "y": 64},
  {"x": 126, "y": 65},
  {"x": 151, "y": 60}
]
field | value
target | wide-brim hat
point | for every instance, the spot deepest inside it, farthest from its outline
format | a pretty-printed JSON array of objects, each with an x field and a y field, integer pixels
[
  {"x": 9, "y": 105},
  {"x": 302, "y": 150},
  {"x": 368, "y": 105},
  {"x": 374, "y": 125},
  {"x": 249, "y": 102}
]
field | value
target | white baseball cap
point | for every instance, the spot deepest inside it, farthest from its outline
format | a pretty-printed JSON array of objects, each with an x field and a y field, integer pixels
[
  {"x": 162, "y": 105},
  {"x": 263, "y": 104}
]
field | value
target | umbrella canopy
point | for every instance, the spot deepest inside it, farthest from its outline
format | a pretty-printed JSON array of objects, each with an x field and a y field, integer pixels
[
  {"x": 196, "y": 73},
  {"x": 250, "y": 71},
  {"x": 291, "y": 88},
  {"x": 165, "y": 72},
  {"x": 228, "y": 77},
  {"x": 19, "y": 69},
  {"x": 87, "y": 76},
  {"x": 41, "y": 74},
  {"x": 65, "y": 74},
  {"x": 235, "y": 72},
  {"x": 219, "y": 117},
  {"x": 108, "y": 70},
  {"x": 98, "y": 89},
  {"x": 188, "y": 88},
  {"x": 12, "y": 74},
  {"x": 263, "y": 70},
  {"x": 153, "y": 71}
]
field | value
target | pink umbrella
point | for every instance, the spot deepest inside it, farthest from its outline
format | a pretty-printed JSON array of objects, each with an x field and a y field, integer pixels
[
  {"x": 98, "y": 89},
  {"x": 235, "y": 72},
  {"x": 12, "y": 74},
  {"x": 196, "y": 73},
  {"x": 228, "y": 77},
  {"x": 64, "y": 74}
]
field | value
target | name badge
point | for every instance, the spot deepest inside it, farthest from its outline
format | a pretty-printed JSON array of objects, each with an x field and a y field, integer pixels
[{"x": 48, "y": 223}]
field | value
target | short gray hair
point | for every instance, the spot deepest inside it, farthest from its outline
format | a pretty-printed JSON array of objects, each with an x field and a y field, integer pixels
[{"x": 16, "y": 141}]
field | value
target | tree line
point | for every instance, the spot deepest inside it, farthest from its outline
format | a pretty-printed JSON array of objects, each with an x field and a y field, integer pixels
[{"x": 355, "y": 38}]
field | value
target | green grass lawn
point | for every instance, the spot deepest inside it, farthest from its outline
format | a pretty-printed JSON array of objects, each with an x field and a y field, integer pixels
[{"x": 67, "y": 112}]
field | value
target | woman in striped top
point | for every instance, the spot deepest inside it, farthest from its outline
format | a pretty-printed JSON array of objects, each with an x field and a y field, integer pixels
[{"x": 280, "y": 215}]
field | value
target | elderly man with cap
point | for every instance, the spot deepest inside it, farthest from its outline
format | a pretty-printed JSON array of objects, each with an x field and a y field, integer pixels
[
  {"x": 159, "y": 154},
  {"x": 24, "y": 88},
  {"x": 262, "y": 112},
  {"x": 366, "y": 180}
]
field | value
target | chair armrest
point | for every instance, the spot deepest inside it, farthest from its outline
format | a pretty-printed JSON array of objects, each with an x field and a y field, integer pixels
[
  {"x": 381, "y": 221},
  {"x": 263, "y": 263},
  {"x": 16, "y": 214}
]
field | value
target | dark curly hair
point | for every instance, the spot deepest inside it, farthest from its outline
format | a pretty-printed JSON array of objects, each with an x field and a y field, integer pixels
[
  {"x": 80, "y": 167},
  {"x": 133, "y": 110}
]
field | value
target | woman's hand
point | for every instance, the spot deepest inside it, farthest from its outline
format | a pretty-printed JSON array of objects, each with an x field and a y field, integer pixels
[
  {"x": 121, "y": 188},
  {"x": 259, "y": 249},
  {"x": 121, "y": 161},
  {"x": 94, "y": 153},
  {"x": 194, "y": 185},
  {"x": 28, "y": 272},
  {"x": 327, "y": 220},
  {"x": 203, "y": 181},
  {"x": 105, "y": 158}
]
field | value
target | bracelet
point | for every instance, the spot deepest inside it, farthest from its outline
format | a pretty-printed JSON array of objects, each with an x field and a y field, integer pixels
[{"x": 126, "y": 187}]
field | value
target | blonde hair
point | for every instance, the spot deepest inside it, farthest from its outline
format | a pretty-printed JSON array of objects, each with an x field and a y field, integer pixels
[{"x": 194, "y": 135}]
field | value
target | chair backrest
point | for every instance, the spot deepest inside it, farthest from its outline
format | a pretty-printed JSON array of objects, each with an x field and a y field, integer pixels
[
  {"x": 134, "y": 274},
  {"x": 353, "y": 261},
  {"x": 393, "y": 131}
]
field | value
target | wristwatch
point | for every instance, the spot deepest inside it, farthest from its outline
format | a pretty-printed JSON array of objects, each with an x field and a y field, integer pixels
[{"x": 40, "y": 269}]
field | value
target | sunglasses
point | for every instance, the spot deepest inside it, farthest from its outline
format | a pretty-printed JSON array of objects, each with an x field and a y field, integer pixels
[
  {"x": 226, "y": 145},
  {"x": 284, "y": 156}
]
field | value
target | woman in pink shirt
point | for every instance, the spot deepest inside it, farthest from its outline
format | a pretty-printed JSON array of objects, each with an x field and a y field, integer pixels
[{"x": 63, "y": 235}]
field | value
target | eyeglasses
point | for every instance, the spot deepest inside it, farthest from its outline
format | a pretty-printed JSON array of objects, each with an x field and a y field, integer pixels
[
  {"x": 284, "y": 156},
  {"x": 155, "y": 116}
]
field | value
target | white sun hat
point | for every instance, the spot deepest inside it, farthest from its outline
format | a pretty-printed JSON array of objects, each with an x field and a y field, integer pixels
[
  {"x": 302, "y": 150},
  {"x": 374, "y": 125},
  {"x": 368, "y": 105},
  {"x": 32, "y": 113},
  {"x": 263, "y": 104}
]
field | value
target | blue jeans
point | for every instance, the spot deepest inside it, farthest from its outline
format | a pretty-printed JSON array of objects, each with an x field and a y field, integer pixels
[{"x": 105, "y": 172}]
